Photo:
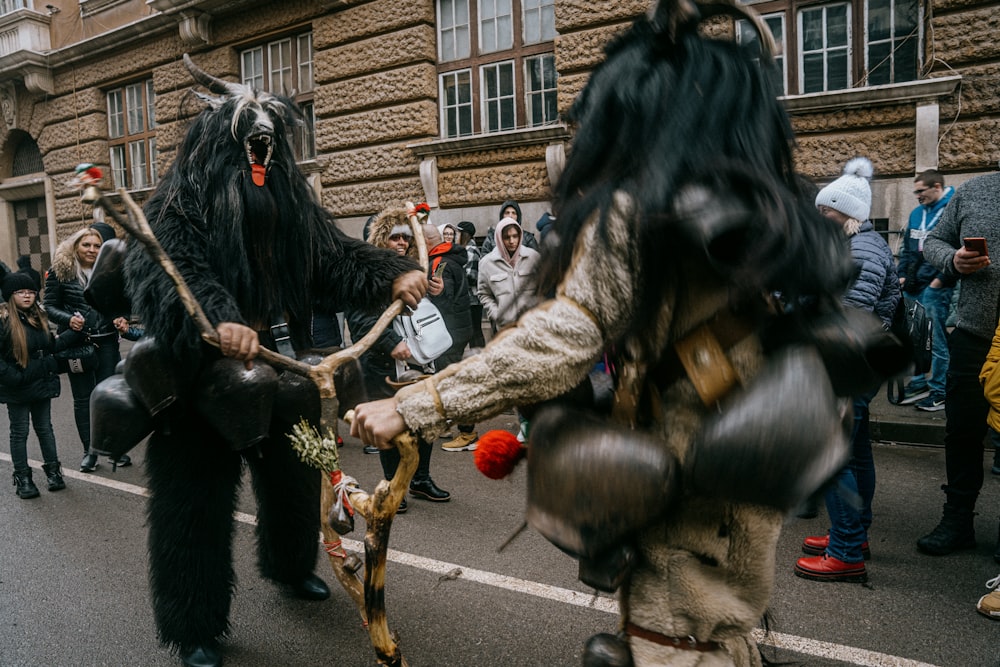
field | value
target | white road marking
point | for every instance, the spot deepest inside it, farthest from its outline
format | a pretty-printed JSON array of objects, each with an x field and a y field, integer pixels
[{"x": 803, "y": 645}]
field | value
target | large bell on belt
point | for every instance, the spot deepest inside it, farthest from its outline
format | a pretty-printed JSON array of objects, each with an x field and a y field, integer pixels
[
  {"x": 592, "y": 483},
  {"x": 152, "y": 375},
  {"x": 297, "y": 395},
  {"x": 118, "y": 421},
  {"x": 775, "y": 442},
  {"x": 236, "y": 401}
]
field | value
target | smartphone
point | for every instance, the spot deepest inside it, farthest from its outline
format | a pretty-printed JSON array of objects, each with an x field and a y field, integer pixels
[
  {"x": 976, "y": 244},
  {"x": 439, "y": 271}
]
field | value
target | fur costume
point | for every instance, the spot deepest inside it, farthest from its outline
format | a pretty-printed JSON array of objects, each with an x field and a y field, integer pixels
[
  {"x": 636, "y": 266},
  {"x": 245, "y": 230}
]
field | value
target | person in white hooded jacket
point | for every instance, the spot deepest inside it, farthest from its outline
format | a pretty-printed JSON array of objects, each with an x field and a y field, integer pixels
[{"x": 508, "y": 286}]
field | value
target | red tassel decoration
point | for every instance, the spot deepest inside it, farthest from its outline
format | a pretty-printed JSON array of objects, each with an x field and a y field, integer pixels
[{"x": 498, "y": 453}]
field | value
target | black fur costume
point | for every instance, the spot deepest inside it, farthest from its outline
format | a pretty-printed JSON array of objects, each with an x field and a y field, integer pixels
[{"x": 254, "y": 255}]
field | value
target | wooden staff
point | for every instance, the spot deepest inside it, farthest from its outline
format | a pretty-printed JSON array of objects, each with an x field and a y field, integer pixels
[{"x": 379, "y": 508}]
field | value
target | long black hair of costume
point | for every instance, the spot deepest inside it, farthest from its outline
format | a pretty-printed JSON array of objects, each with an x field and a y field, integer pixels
[
  {"x": 261, "y": 242},
  {"x": 663, "y": 112}
]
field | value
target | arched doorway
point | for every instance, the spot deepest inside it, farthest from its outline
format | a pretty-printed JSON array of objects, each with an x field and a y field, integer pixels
[{"x": 26, "y": 214}]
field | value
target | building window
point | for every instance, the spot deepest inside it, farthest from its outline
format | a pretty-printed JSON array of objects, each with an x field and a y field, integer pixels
[
  {"x": 746, "y": 34},
  {"x": 285, "y": 67},
  {"x": 824, "y": 48},
  {"x": 8, "y": 6},
  {"x": 496, "y": 65},
  {"x": 830, "y": 46},
  {"x": 131, "y": 136},
  {"x": 893, "y": 40}
]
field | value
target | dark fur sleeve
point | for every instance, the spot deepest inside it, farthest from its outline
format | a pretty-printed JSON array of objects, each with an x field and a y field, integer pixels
[
  {"x": 154, "y": 296},
  {"x": 360, "y": 276}
]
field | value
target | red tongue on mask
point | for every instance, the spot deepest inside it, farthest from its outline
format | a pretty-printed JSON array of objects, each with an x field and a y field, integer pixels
[{"x": 257, "y": 173}]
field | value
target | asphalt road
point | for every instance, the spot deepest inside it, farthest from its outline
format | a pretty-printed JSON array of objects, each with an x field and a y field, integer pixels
[{"x": 73, "y": 579}]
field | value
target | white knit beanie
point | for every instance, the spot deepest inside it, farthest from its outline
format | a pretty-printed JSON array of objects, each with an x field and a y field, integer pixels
[{"x": 850, "y": 194}]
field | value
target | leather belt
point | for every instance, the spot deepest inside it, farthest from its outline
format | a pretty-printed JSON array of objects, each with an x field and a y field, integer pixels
[
  {"x": 700, "y": 356},
  {"x": 688, "y": 643}
]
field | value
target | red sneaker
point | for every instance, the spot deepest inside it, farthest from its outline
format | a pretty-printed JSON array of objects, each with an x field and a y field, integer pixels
[
  {"x": 817, "y": 544},
  {"x": 826, "y": 568}
]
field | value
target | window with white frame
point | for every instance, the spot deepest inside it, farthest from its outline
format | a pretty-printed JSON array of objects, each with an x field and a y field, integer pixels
[
  {"x": 842, "y": 44},
  {"x": 8, "y": 6},
  {"x": 132, "y": 136},
  {"x": 893, "y": 41},
  {"x": 747, "y": 34},
  {"x": 824, "y": 48},
  {"x": 496, "y": 65},
  {"x": 285, "y": 67}
]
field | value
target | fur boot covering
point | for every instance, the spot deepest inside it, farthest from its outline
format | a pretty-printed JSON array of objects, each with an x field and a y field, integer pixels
[{"x": 242, "y": 225}]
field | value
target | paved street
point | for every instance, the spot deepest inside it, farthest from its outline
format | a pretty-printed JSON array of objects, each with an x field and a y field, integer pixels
[{"x": 73, "y": 579}]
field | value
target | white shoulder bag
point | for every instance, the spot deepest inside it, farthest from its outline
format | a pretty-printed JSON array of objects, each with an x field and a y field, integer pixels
[{"x": 424, "y": 332}]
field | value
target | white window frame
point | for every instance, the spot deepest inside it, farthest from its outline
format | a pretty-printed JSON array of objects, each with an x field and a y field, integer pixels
[
  {"x": 522, "y": 23},
  {"x": 458, "y": 107},
  {"x": 544, "y": 94},
  {"x": 131, "y": 135},
  {"x": 501, "y": 99},
  {"x": 826, "y": 50},
  {"x": 451, "y": 29},
  {"x": 744, "y": 27},
  {"x": 287, "y": 71},
  {"x": 894, "y": 40}
]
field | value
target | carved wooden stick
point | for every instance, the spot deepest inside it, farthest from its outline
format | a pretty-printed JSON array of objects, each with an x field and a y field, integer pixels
[{"x": 378, "y": 509}]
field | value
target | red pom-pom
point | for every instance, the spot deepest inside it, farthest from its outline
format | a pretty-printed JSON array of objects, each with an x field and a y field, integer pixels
[{"x": 498, "y": 453}]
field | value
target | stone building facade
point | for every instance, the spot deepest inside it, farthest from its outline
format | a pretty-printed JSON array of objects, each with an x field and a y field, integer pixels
[{"x": 75, "y": 75}]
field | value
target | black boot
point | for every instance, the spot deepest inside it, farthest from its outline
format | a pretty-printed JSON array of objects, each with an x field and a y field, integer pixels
[
  {"x": 954, "y": 533},
  {"x": 89, "y": 462},
  {"x": 428, "y": 490},
  {"x": 54, "y": 474},
  {"x": 25, "y": 487},
  {"x": 311, "y": 588},
  {"x": 205, "y": 655}
]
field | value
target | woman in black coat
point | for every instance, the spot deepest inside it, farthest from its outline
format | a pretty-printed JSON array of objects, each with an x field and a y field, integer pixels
[{"x": 66, "y": 306}]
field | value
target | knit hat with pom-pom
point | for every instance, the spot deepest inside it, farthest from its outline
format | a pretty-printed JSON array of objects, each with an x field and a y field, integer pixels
[{"x": 850, "y": 194}]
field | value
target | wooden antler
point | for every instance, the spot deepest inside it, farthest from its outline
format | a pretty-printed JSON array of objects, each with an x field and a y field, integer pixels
[{"x": 379, "y": 508}]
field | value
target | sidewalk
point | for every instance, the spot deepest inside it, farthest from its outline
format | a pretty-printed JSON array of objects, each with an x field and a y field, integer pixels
[{"x": 905, "y": 424}]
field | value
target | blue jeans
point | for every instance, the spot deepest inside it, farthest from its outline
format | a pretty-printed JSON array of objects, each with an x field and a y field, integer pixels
[
  {"x": 937, "y": 302},
  {"x": 849, "y": 497},
  {"x": 40, "y": 414}
]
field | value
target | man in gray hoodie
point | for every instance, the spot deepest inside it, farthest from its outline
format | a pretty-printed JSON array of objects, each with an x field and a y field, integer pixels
[{"x": 974, "y": 211}]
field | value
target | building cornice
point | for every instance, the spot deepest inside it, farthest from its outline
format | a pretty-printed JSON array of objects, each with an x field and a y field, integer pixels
[{"x": 893, "y": 93}]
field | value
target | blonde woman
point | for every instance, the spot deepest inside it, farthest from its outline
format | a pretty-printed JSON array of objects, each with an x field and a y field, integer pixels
[{"x": 69, "y": 311}]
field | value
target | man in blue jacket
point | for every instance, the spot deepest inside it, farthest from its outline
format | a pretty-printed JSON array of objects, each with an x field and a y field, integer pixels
[{"x": 922, "y": 281}]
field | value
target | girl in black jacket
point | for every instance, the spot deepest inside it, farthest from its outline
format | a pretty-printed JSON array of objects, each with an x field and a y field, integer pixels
[{"x": 28, "y": 380}]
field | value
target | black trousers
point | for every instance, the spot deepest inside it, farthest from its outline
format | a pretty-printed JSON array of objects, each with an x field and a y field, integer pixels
[{"x": 966, "y": 410}]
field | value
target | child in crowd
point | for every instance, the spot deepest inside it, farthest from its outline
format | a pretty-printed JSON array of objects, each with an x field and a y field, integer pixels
[{"x": 28, "y": 380}]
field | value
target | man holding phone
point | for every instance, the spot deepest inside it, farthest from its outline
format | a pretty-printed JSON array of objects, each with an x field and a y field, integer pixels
[
  {"x": 924, "y": 282},
  {"x": 974, "y": 212}
]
